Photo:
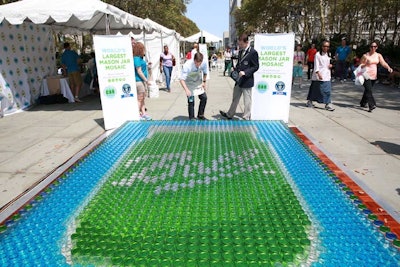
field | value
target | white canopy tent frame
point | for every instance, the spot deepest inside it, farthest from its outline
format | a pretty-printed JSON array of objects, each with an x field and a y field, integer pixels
[
  {"x": 154, "y": 42},
  {"x": 85, "y": 16},
  {"x": 209, "y": 37},
  {"x": 69, "y": 16}
]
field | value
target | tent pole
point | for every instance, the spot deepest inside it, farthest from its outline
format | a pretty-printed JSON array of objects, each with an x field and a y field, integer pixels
[{"x": 107, "y": 25}]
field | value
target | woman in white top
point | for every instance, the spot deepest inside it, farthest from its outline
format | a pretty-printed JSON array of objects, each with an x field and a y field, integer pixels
[
  {"x": 322, "y": 72},
  {"x": 167, "y": 62},
  {"x": 370, "y": 61}
]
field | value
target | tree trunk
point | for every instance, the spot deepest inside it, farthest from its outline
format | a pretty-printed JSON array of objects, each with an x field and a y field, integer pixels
[{"x": 321, "y": 9}]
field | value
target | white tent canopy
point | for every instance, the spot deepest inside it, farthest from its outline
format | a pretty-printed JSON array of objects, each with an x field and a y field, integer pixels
[
  {"x": 154, "y": 42},
  {"x": 84, "y": 15},
  {"x": 26, "y": 28},
  {"x": 209, "y": 37}
]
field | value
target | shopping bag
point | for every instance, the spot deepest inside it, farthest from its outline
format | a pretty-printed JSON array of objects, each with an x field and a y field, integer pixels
[
  {"x": 359, "y": 75},
  {"x": 359, "y": 81},
  {"x": 161, "y": 78},
  {"x": 154, "y": 90}
]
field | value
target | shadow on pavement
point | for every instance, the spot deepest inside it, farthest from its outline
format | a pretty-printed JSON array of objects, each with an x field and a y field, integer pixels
[
  {"x": 389, "y": 148},
  {"x": 90, "y": 102},
  {"x": 100, "y": 122},
  {"x": 180, "y": 118}
]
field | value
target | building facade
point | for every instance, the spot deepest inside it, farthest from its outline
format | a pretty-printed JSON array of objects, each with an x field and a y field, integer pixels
[{"x": 233, "y": 5}]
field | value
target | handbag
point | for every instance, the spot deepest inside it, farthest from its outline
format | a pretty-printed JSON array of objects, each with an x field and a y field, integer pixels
[
  {"x": 235, "y": 75},
  {"x": 173, "y": 62}
]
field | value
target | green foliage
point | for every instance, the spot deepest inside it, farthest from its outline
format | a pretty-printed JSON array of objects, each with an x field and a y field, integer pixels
[
  {"x": 322, "y": 18},
  {"x": 169, "y": 13}
]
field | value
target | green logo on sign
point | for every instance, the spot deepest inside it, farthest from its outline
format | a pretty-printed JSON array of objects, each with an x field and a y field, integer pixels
[
  {"x": 110, "y": 92},
  {"x": 262, "y": 87}
]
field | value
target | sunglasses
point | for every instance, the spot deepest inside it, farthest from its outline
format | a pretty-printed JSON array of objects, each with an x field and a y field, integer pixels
[{"x": 373, "y": 46}]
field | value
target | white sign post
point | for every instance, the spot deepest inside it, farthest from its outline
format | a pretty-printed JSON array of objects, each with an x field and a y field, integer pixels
[
  {"x": 114, "y": 62},
  {"x": 204, "y": 51},
  {"x": 273, "y": 80}
]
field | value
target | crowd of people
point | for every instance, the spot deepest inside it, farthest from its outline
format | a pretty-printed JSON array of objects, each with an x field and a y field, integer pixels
[
  {"x": 323, "y": 67},
  {"x": 321, "y": 80},
  {"x": 193, "y": 78}
]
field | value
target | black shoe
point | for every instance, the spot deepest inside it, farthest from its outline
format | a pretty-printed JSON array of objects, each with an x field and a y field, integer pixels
[
  {"x": 192, "y": 119},
  {"x": 202, "y": 118},
  {"x": 371, "y": 108},
  {"x": 223, "y": 114},
  {"x": 363, "y": 105}
]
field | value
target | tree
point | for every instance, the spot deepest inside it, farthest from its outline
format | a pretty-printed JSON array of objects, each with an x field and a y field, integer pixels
[
  {"x": 169, "y": 13},
  {"x": 322, "y": 18}
]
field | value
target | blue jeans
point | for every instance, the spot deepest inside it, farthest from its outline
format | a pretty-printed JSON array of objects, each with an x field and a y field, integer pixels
[
  {"x": 353, "y": 68},
  {"x": 167, "y": 71},
  {"x": 341, "y": 69},
  {"x": 326, "y": 88}
]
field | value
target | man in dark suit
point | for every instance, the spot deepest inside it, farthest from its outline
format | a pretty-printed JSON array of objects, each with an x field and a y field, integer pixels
[{"x": 246, "y": 66}]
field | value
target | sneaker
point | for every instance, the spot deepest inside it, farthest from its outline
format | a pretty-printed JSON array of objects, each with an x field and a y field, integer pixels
[
  {"x": 329, "y": 107},
  {"x": 145, "y": 117},
  {"x": 77, "y": 99},
  {"x": 371, "y": 108},
  {"x": 224, "y": 114},
  {"x": 344, "y": 80},
  {"x": 202, "y": 118},
  {"x": 310, "y": 104}
]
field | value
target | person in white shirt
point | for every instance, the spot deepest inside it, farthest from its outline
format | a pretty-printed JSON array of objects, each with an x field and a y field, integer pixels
[
  {"x": 193, "y": 80},
  {"x": 228, "y": 60},
  {"x": 322, "y": 70}
]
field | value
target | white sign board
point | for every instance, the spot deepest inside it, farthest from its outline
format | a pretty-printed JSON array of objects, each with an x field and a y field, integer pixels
[
  {"x": 114, "y": 62},
  {"x": 204, "y": 51},
  {"x": 273, "y": 80}
]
